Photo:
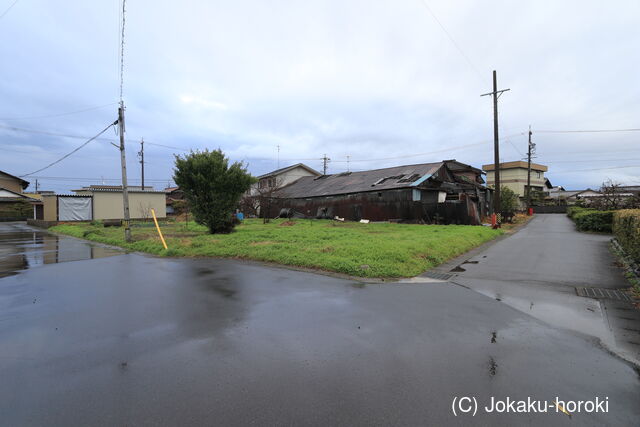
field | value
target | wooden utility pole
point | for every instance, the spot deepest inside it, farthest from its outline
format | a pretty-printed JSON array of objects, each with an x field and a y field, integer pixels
[
  {"x": 123, "y": 164},
  {"x": 529, "y": 172},
  {"x": 36, "y": 186},
  {"x": 325, "y": 161},
  {"x": 496, "y": 142},
  {"x": 141, "y": 154}
]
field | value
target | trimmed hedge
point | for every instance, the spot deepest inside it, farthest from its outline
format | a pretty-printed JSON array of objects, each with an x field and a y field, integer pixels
[
  {"x": 626, "y": 228},
  {"x": 591, "y": 219},
  {"x": 573, "y": 210}
]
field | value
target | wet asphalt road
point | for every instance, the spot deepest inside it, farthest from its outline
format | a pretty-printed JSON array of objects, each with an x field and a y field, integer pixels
[
  {"x": 537, "y": 270},
  {"x": 135, "y": 340}
]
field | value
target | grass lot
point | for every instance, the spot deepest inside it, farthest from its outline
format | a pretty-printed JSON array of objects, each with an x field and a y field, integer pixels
[{"x": 367, "y": 250}]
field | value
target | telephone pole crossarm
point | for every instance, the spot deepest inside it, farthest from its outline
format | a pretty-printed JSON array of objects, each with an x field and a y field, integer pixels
[{"x": 499, "y": 92}]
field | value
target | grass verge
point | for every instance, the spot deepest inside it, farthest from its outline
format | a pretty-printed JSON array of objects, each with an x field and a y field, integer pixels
[{"x": 365, "y": 250}]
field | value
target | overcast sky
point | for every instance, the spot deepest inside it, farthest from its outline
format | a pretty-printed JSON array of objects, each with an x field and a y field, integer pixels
[{"x": 379, "y": 81}]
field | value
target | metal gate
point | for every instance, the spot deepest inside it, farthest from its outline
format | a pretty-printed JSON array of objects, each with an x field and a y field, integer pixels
[{"x": 550, "y": 209}]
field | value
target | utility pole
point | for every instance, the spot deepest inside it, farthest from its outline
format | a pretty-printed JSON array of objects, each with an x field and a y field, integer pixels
[
  {"x": 348, "y": 170},
  {"x": 141, "y": 154},
  {"x": 531, "y": 151},
  {"x": 123, "y": 164},
  {"x": 36, "y": 186},
  {"x": 325, "y": 161},
  {"x": 496, "y": 142},
  {"x": 278, "y": 156}
]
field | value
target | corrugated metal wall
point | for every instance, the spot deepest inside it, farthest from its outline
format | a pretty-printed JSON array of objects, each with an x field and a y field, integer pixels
[{"x": 384, "y": 206}]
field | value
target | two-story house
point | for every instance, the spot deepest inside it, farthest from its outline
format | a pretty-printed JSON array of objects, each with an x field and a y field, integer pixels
[
  {"x": 281, "y": 177},
  {"x": 513, "y": 175}
]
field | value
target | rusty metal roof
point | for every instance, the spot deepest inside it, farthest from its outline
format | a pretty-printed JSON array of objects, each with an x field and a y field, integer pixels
[{"x": 357, "y": 182}]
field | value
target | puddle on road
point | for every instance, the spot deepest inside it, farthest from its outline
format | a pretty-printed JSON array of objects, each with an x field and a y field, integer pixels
[
  {"x": 493, "y": 367},
  {"x": 204, "y": 271},
  {"x": 23, "y": 247},
  {"x": 460, "y": 269}
]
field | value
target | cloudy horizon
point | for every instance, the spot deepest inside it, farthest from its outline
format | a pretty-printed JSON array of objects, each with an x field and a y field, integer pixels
[{"x": 371, "y": 84}]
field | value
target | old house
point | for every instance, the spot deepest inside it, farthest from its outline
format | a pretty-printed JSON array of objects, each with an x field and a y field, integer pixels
[
  {"x": 281, "y": 177},
  {"x": 447, "y": 192},
  {"x": 173, "y": 195},
  {"x": 257, "y": 201},
  {"x": 14, "y": 204},
  {"x": 12, "y": 183}
]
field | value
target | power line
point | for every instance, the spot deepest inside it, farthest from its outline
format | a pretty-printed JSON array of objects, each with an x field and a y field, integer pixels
[
  {"x": 423, "y": 154},
  {"x": 589, "y": 161},
  {"x": 514, "y": 147},
  {"x": 60, "y": 114},
  {"x": 599, "y": 169},
  {"x": 166, "y": 146},
  {"x": 48, "y": 133},
  {"x": 433, "y": 15},
  {"x": 8, "y": 9},
  {"x": 70, "y": 153},
  {"x": 587, "y": 131},
  {"x": 122, "y": 50}
]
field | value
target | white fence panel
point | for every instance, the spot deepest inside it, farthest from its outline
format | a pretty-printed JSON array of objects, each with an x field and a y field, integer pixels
[{"x": 74, "y": 209}]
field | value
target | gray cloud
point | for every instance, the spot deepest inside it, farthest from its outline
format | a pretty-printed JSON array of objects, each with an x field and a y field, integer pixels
[{"x": 365, "y": 79}]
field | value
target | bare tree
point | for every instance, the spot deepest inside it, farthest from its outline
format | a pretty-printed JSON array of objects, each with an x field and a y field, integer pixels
[
  {"x": 259, "y": 199},
  {"x": 611, "y": 196},
  {"x": 145, "y": 211}
]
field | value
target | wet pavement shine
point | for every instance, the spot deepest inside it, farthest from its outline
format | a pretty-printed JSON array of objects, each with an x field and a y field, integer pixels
[
  {"x": 23, "y": 247},
  {"x": 537, "y": 271},
  {"x": 138, "y": 340}
]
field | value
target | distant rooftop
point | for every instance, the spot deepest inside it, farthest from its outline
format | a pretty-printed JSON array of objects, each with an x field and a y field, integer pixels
[
  {"x": 288, "y": 168},
  {"x": 118, "y": 188},
  {"x": 516, "y": 165}
]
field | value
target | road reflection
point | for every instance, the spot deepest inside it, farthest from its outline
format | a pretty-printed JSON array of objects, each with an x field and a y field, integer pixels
[{"x": 23, "y": 247}]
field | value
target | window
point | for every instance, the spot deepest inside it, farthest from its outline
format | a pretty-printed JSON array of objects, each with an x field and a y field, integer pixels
[
  {"x": 417, "y": 195},
  {"x": 539, "y": 174}
]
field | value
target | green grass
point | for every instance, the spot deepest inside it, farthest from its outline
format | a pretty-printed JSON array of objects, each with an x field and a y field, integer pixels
[{"x": 366, "y": 250}]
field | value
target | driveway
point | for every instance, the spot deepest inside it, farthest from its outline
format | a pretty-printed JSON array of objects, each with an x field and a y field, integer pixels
[
  {"x": 537, "y": 270},
  {"x": 127, "y": 339}
]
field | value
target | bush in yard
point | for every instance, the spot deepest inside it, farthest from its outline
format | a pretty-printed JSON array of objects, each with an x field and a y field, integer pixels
[
  {"x": 508, "y": 202},
  {"x": 211, "y": 187},
  {"x": 574, "y": 210},
  {"x": 593, "y": 220},
  {"x": 626, "y": 228}
]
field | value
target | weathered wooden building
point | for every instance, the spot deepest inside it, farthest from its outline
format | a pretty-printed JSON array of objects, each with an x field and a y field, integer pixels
[
  {"x": 14, "y": 204},
  {"x": 447, "y": 192}
]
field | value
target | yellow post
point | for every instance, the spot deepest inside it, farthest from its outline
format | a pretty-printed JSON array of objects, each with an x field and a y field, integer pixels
[{"x": 158, "y": 227}]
